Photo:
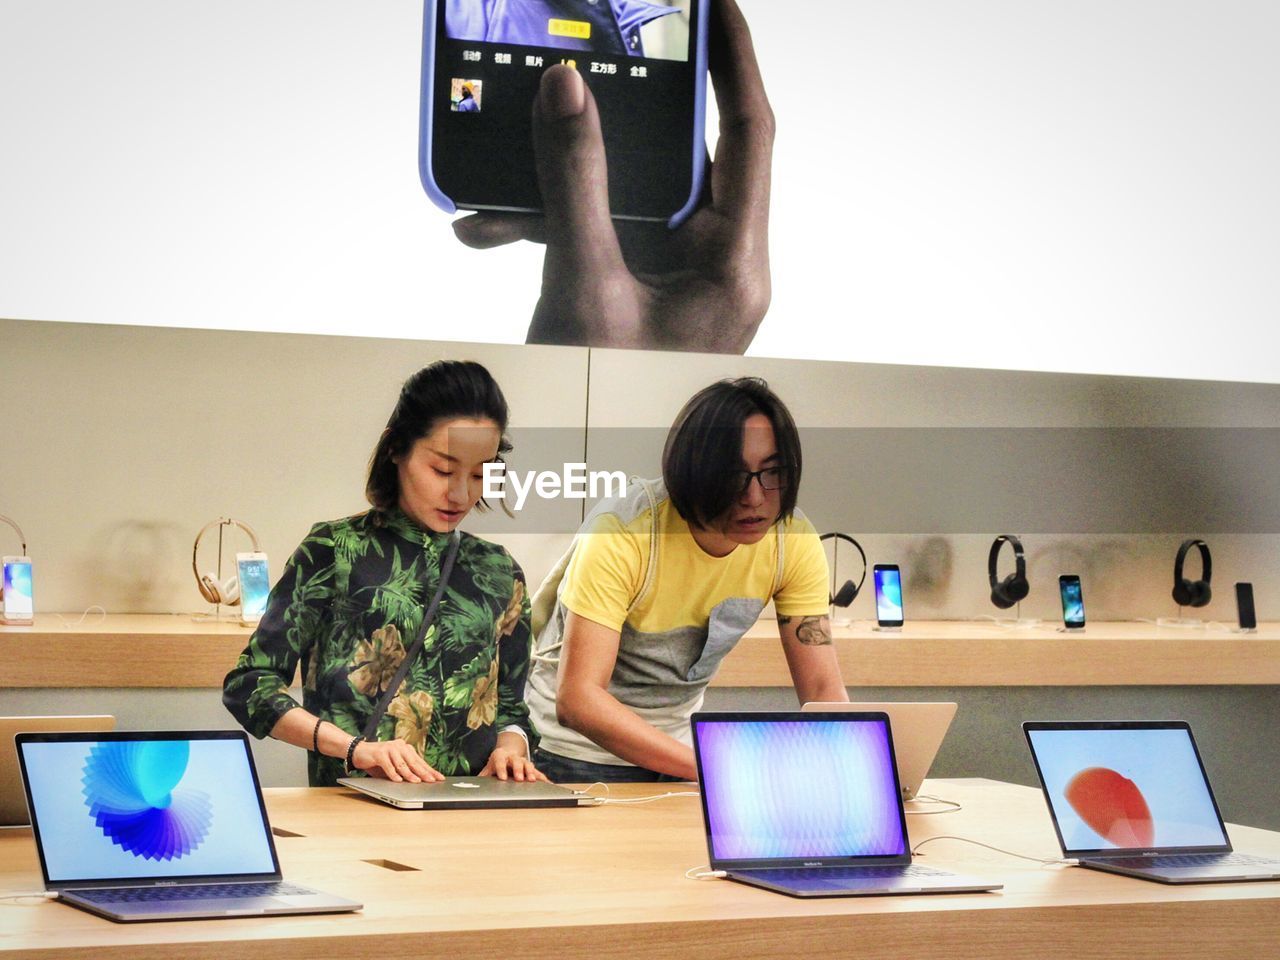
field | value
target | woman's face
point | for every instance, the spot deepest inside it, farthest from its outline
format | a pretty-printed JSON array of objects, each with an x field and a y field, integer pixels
[{"x": 442, "y": 474}]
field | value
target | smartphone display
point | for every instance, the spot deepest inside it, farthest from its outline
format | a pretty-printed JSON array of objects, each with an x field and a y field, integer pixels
[
  {"x": 18, "y": 604},
  {"x": 254, "y": 585},
  {"x": 888, "y": 581},
  {"x": 644, "y": 61},
  {"x": 1072, "y": 601},
  {"x": 1244, "y": 606}
]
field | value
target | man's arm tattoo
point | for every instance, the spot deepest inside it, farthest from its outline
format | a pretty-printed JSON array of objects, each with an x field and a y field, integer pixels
[{"x": 813, "y": 631}]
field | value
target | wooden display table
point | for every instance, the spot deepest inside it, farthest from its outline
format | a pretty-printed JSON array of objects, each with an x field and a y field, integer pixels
[
  {"x": 123, "y": 650},
  {"x": 609, "y": 881}
]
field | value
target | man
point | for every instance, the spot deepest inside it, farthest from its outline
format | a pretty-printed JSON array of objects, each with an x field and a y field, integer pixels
[{"x": 662, "y": 584}]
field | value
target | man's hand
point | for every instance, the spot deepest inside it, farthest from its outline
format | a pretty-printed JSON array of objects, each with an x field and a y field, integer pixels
[{"x": 704, "y": 286}]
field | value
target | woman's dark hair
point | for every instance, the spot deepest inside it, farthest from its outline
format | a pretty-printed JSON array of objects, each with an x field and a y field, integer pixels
[
  {"x": 440, "y": 391},
  {"x": 702, "y": 460}
]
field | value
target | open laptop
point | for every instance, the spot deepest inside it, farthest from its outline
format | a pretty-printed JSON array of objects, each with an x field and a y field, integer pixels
[
  {"x": 157, "y": 826},
  {"x": 918, "y": 731},
  {"x": 463, "y": 793},
  {"x": 808, "y": 804},
  {"x": 1133, "y": 798},
  {"x": 13, "y": 801}
]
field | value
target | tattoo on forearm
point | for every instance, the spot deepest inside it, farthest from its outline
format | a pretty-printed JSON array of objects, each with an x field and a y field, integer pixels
[{"x": 813, "y": 631}]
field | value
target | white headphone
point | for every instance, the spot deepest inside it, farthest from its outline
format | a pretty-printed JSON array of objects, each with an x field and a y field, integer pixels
[{"x": 225, "y": 592}]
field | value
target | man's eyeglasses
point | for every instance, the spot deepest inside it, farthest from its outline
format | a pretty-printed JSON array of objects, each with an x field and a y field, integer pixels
[{"x": 771, "y": 478}]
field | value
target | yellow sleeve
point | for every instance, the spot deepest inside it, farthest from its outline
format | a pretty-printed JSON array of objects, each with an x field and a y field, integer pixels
[
  {"x": 805, "y": 588},
  {"x": 605, "y": 573}
]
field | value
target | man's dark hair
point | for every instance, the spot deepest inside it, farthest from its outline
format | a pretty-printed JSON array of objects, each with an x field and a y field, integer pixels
[
  {"x": 443, "y": 390},
  {"x": 702, "y": 459}
]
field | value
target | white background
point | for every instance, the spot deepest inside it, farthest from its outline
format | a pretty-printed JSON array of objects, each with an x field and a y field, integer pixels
[{"x": 1025, "y": 184}]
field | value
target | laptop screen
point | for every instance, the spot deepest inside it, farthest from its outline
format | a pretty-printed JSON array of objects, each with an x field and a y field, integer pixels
[
  {"x": 798, "y": 789},
  {"x": 1125, "y": 787},
  {"x": 139, "y": 807}
]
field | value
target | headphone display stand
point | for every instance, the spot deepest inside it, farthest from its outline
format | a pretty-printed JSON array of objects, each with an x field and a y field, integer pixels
[
  {"x": 1018, "y": 622},
  {"x": 216, "y": 615},
  {"x": 1181, "y": 622}
]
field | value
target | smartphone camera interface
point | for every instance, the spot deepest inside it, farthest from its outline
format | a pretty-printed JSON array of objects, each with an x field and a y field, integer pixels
[
  {"x": 636, "y": 56},
  {"x": 18, "y": 603},
  {"x": 254, "y": 586},
  {"x": 888, "y": 596},
  {"x": 1072, "y": 601}
]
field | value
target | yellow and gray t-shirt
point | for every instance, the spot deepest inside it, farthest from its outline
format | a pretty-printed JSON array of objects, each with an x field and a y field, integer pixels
[{"x": 677, "y": 609}]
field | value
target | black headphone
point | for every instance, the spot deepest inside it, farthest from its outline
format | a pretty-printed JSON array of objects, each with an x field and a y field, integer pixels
[
  {"x": 1013, "y": 588},
  {"x": 1192, "y": 593},
  {"x": 844, "y": 596}
]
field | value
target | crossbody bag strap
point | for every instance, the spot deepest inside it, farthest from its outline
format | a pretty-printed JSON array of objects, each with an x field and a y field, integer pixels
[{"x": 370, "y": 732}]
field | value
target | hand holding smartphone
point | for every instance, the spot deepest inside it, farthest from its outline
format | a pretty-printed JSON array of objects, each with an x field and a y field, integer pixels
[
  {"x": 704, "y": 286},
  {"x": 888, "y": 583},
  {"x": 1072, "y": 601}
]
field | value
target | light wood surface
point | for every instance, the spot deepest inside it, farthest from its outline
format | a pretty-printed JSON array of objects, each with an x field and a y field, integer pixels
[
  {"x": 609, "y": 881},
  {"x": 122, "y": 650}
]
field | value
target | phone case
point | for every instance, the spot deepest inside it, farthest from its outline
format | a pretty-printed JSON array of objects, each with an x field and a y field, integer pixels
[{"x": 426, "y": 108}]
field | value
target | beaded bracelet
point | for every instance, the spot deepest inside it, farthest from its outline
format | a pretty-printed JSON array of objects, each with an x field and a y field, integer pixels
[
  {"x": 315, "y": 735},
  {"x": 351, "y": 752}
]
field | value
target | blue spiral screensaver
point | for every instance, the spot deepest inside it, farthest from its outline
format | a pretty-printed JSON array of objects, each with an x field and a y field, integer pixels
[
  {"x": 804, "y": 788},
  {"x": 131, "y": 790},
  {"x": 129, "y": 807}
]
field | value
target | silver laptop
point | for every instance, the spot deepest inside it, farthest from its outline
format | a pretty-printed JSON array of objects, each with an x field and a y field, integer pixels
[
  {"x": 918, "y": 731},
  {"x": 461, "y": 793},
  {"x": 13, "y": 800},
  {"x": 1133, "y": 798},
  {"x": 808, "y": 804},
  {"x": 157, "y": 826}
]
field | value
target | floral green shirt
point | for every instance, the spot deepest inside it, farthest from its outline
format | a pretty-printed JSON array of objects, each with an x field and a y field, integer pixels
[{"x": 347, "y": 607}]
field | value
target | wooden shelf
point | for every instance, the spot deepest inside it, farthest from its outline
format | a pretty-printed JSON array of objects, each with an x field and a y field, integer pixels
[{"x": 158, "y": 650}]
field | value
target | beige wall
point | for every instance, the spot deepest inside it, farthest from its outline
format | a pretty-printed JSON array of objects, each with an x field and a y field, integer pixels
[
  {"x": 131, "y": 438},
  {"x": 120, "y": 442}
]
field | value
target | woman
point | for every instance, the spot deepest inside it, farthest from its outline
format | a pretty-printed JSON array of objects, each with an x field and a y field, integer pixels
[{"x": 351, "y": 600}]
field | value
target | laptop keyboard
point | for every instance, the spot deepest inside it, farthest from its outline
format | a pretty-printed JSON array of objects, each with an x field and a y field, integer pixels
[
  {"x": 1195, "y": 860},
  {"x": 847, "y": 873},
  {"x": 212, "y": 891}
]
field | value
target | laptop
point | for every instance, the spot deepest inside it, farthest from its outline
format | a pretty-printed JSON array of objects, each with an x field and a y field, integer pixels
[
  {"x": 1133, "y": 798},
  {"x": 13, "y": 801},
  {"x": 918, "y": 730},
  {"x": 464, "y": 793},
  {"x": 157, "y": 826},
  {"x": 808, "y": 804}
]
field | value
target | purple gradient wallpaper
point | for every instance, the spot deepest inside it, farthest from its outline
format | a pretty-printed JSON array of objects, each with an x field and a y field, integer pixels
[{"x": 799, "y": 789}]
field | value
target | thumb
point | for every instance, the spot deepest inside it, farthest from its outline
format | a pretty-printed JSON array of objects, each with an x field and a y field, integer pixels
[{"x": 573, "y": 178}]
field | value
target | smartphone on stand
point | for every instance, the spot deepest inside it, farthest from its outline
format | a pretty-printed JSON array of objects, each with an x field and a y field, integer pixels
[
  {"x": 646, "y": 66},
  {"x": 1072, "y": 601},
  {"x": 888, "y": 583},
  {"x": 255, "y": 584},
  {"x": 18, "y": 604},
  {"x": 1244, "y": 607}
]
